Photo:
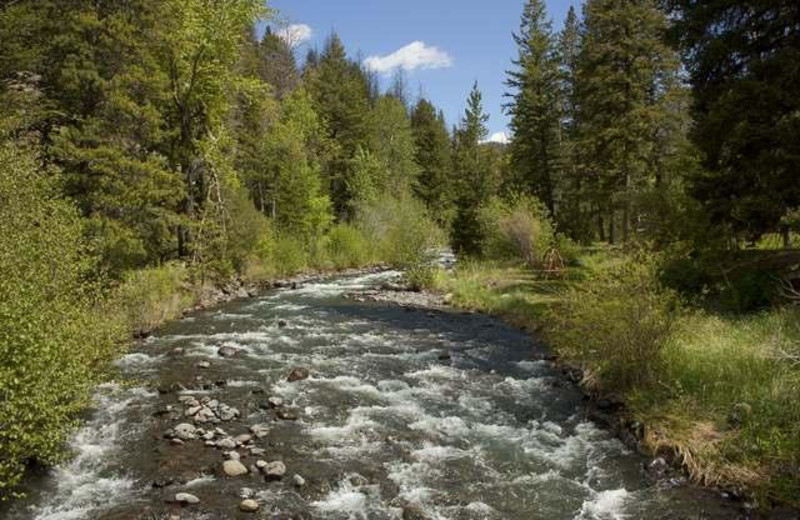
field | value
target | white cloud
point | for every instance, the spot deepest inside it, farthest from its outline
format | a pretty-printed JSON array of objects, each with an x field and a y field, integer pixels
[
  {"x": 499, "y": 137},
  {"x": 415, "y": 55},
  {"x": 295, "y": 34}
]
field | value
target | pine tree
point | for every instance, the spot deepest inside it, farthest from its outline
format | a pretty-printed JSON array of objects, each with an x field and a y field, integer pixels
[
  {"x": 277, "y": 64},
  {"x": 535, "y": 110},
  {"x": 743, "y": 60},
  {"x": 434, "y": 157},
  {"x": 573, "y": 210},
  {"x": 625, "y": 66},
  {"x": 472, "y": 176},
  {"x": 340, "y": 91}
]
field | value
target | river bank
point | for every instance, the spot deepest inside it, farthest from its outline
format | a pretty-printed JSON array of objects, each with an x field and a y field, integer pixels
[{"x": 719, "y": 412}]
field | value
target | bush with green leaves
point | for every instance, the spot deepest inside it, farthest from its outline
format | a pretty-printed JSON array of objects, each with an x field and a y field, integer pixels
[
  {"x": 346, "y": 246},
  {"x": 518, "y": 228},
  {"x": 403, "y": 233},
  {"x": 617, "y": 324},
  {"x": 56, "y": 335}
]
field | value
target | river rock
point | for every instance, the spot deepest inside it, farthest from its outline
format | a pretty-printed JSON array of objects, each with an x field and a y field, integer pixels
[
  {"x": 190, "y": 412},
  {"x": 298, "y": 480},
  {"x": 185, "y": 432},
  {"x": 204, "y": 415},
  {"x": 260, "y": 430},
  {"x": 298, "y": 374},
  {"x": 275, "y": 402},
  {"x": 234, "y": 468},
  {"x": 204, "y": 365},
  {"x": 227, "y": 413},
  {"x": 414, "y": 513},
  {"x": 227, "y": 352},
  {"x": 243, "y": 438},
  {"x": 186, "y": 499},
  {"x": 232, "y": 455},
  {"x": 274, "y": 470},
  {"x": 282, "y": 324},
  {"x": 657, "y": 468},
  {"x": 226, "y": 444},
  {"x": 249, "y": 506},
  {"x": 287, "y": 415},
  {"x": 246, "y": 493}
]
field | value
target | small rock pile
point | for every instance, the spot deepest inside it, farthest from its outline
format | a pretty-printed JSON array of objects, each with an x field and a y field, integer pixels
[{"x": 207, "y": 410}]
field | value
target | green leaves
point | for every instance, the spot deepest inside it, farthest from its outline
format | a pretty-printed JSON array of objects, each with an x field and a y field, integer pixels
[{"x": 51, "y": 344}]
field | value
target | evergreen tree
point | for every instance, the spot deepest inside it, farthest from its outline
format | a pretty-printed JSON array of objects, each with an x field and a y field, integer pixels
[
  {"x": 104, "y": 121},
  {"x": 277, "y": 64},
  {"x": 472, "y": 176},
  {"x": 625, "y": 70},
  {"x": 743, "y": 60},
  {"x": 340, "y": 92},
  {"x": 574, "y": 214},
  {"x": 535, "y": 110},
  {"x": 434, "y": 157}
]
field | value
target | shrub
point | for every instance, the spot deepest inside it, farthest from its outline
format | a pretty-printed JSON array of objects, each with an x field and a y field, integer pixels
[
  {"x": 52, "y": 345},
  {"x": 403, "y": 233},
  {"x": 618, "y": 324},
  {"x": 149, "y": 297},
  {"x": 516, "y": 229},
  {"x": 288, "y": 255},
  {"x": 400, "y": 229},
  {"x": 346, "y": 246}
]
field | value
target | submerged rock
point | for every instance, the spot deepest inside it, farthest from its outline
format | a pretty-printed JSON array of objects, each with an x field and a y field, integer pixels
[
  {"x": 287, "y": 415},
  {"x": 298, "y": 374},
  {"x": 259, "y": 430},
  {"x": 228, "y": 352},
  {"x": 414, "y": 513}
]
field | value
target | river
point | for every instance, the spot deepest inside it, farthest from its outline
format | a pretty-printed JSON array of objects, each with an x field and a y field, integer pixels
[{"x": 407, "y": 414}]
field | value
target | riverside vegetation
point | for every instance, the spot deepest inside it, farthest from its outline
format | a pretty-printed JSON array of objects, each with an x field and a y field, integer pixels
[{"x": 643, "y": 217}]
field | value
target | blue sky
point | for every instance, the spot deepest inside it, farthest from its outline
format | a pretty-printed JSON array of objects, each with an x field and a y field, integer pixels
[{"x": 445, "y": 45}]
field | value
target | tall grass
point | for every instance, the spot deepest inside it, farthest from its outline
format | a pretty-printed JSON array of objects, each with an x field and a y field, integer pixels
[{"x": 148, "y": 298}]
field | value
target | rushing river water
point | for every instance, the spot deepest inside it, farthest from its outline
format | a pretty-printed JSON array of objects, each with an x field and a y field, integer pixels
[{"x": 407, "y": 414}]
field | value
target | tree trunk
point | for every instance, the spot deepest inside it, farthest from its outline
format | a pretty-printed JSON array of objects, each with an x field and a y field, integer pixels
[
  {"x": 601, "y": 225},
  {"x": 612, "y": 233}
]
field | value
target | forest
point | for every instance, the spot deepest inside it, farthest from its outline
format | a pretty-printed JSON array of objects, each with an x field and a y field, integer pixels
[{"x": 644, "y": 218}]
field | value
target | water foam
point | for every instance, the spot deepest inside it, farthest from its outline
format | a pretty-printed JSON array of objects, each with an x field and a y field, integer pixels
[
  {"x": 83, "y": 485},
  {"x": 605, "y": 505}
]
